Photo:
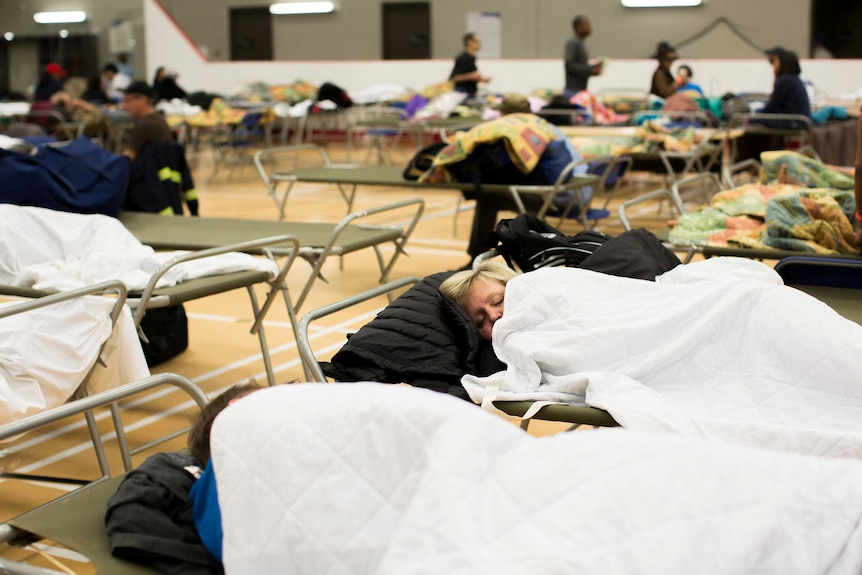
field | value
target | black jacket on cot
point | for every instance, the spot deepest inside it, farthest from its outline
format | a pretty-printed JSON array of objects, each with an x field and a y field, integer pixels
[
  {"x": 161, "y": 181},
  {"x": 150, "y": 518},
  {"x": 422, "y": 338},
  {"x": 633, "y": 254}
]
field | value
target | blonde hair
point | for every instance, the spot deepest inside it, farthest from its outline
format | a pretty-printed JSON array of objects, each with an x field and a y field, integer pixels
[{"x": 458, "y": 284}]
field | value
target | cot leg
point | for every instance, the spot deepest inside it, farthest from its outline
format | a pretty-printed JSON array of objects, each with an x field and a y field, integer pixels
[
  {"x": 121, "y": 437},
  {"x": 261, "y": 336},
  {"x": 98, "y": 447}
]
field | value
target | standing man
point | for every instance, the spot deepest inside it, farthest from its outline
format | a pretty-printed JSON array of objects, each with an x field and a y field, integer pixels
[
  {"x": 578, "y": 66},
  {"x": 465, "y": 74}
]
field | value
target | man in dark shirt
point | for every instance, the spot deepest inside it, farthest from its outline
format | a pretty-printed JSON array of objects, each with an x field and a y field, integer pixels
[
  {"x": 577, "y": 59},
  {"x": 150, "y": 126},
  {"x": 465, "y": 74}
]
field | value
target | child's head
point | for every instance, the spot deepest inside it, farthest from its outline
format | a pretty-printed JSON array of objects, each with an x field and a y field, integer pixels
[{"x": 199, "y": 435}]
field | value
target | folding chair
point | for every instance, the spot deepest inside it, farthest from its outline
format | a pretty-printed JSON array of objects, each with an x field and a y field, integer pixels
[
  {"x": 380, "y": 129},
  {"x": 232, "y": 143}
]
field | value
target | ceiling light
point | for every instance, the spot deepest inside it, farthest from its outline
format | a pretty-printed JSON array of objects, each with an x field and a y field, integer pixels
[
  {"x": 60, "y": 17},
  {"x": 302, "y": 8},
  {"x": 9, "y": 36},
  {"x": 64, "y": 33},
  {"x": 660, "y": 3}
]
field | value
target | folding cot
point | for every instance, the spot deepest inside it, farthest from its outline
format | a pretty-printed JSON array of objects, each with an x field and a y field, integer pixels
[
  {"x": 151, "y": 297},
  {"x": 784, "y": 127},
  {"x": 575, "y": 415},
  {"x": 34, "y": 388},
  {"x": 673, "y": 196},
  {"x": 672, "y": 165},
  {"x": 77, "y": 519},
  {"x": 315, "y": 241},
  {"x": 349, "y": 177},
  {"x": 843, "y": 299}
]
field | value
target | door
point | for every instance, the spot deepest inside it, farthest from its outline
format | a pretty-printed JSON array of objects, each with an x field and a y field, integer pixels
[
  {"x": 406, "y": 31},
  {"x": 250, "y": 34}
]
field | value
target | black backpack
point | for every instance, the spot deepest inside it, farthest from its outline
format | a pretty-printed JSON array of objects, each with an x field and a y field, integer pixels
[
  {"x": 530, "y": 243},
  {"x": 422, "y": 161}
]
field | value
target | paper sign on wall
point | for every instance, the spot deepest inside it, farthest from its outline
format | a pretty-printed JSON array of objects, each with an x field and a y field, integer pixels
[{"x": 488, "y": 26}]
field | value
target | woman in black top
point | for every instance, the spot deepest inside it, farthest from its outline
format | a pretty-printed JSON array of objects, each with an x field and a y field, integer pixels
[
  {"x": 94, "y": 92},
  {"x": 663, "y": 82},
  {"x": 789, "y": 95},
  {"x": 166, "y": 87}
]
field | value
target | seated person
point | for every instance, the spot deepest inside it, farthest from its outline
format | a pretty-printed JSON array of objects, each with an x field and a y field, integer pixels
[
  {"x": 663, "y": 83},
  {"x": 789, "y": 95},
  {"x": 683, "y": 78},
  {"x": 50, "y": 83},
  {"x": 115, "y": 82},
  {"x": 150, "y": 126},
  {"x": 94, "y": 93},
  {"x": 166, "y": 87}
]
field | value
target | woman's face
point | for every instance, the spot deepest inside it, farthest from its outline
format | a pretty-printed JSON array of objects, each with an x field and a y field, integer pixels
[{"x": 484, "y": 304}]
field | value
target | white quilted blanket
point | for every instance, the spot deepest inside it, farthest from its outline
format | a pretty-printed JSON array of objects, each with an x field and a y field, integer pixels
[
  {"x": 52, "y": 250},
  {"x": 740, "y": 359},
  {"x": 368, "y": 478},
  {"x": 46, "y": 353}
]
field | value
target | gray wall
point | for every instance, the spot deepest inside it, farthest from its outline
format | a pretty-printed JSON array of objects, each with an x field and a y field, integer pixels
[{"x": 531, "y": 28}]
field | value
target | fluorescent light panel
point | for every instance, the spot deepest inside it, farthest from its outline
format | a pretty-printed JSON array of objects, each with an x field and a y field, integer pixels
[
  {"x": 302, "y": 8},
  {"x": 660, "y": 3},
  {"x": 60, "y": 17}
]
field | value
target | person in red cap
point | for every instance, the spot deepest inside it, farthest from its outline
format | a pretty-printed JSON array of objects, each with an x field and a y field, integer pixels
[{"x": 50, "y": 83}]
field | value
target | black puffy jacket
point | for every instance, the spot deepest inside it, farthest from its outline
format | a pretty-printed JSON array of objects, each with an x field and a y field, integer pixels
[{"x": 422, "y": 338}]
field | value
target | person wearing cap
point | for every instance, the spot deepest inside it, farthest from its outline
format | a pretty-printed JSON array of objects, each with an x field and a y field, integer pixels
[
  {"x": 115, "y": 82},
  {"x": 663, "y": 83},
  {"x": 577, "y": 59},
  {"x": 150, "y": 126},
  {"x": 465, "y": 74},
  {"x": 50, "y": 83}
]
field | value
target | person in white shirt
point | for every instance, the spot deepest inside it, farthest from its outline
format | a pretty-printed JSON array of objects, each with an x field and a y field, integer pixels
[{"x": 115, "y": 82}]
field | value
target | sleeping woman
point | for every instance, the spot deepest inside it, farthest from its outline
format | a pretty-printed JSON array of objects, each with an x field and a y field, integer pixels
[
  {"x": 718, "y": 348},
  {"x": 480, "y": 292}
]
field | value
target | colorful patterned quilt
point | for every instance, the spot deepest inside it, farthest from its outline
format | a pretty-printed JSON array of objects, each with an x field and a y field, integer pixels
[
  {"x": 525, "y": 137},
  {"x": 780, "y": 216},
  {"x": 803, "y": 170}
]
